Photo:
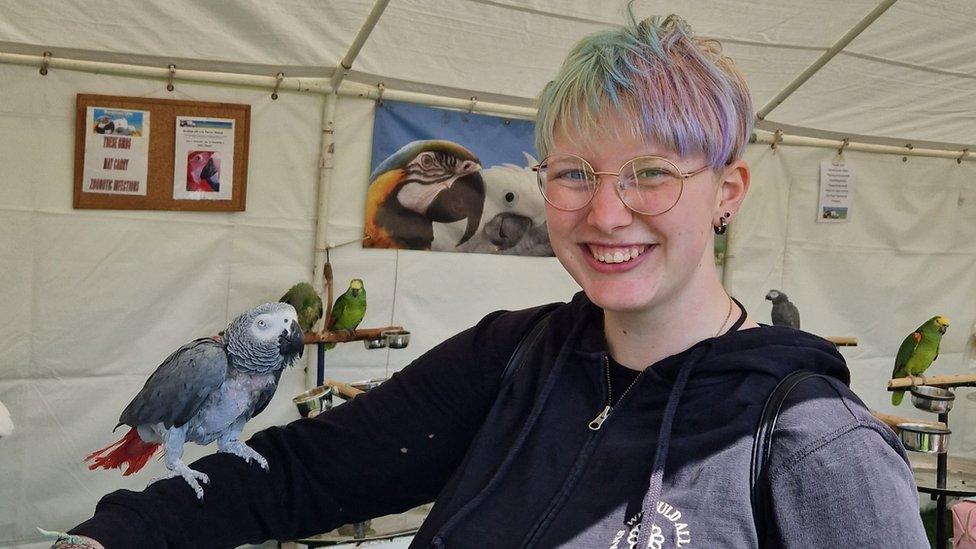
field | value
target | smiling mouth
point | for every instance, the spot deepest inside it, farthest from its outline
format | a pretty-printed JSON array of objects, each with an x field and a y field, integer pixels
[{"x": 617, "y": 254}]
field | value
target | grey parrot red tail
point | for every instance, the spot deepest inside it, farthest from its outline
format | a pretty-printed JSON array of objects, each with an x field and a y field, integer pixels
[{"x": 130, "y": 450}]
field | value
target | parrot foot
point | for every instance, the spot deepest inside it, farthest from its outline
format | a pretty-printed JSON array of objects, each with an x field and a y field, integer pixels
[
  {"x": 245, "y": 452},
  {"x": 189, "y": 475}
]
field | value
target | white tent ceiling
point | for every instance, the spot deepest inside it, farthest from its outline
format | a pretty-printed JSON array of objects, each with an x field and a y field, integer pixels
[{"x": 909, "y": 76}]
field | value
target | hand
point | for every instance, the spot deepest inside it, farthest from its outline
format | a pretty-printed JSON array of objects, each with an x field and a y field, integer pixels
[{"x": 77, "y": 542}]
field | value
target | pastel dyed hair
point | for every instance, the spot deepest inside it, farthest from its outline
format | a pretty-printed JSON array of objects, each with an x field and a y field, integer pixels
[{"x": 676, "y": 90}]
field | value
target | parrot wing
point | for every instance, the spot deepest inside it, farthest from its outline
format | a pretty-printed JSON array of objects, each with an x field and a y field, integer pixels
[
  {"x": 905, "y": 353},
  {"x": 338, "y": 308},
  {"x": 180, "y": 385}
]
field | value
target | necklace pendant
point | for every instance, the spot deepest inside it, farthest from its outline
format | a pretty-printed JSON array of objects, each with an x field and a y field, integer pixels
[{"x": 599, "y": 419}]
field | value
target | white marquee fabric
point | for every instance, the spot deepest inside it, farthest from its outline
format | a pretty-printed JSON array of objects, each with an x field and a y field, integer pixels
[{"x": 94, "y": 299}]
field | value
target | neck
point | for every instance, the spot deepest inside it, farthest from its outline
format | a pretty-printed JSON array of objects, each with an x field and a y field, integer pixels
[{"x": 639, "y": 339}]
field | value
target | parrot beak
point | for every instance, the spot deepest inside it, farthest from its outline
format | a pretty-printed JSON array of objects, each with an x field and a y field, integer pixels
[
  {"x": 292, "y": 341},
  {"x": 507, "y": 229},
  {"x": 464, "y": 200},
  {"x": 943, "y": 328}
]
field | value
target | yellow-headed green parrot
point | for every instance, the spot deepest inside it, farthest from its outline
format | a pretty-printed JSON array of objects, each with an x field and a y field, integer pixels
[
  {"x": 425, "y": 182},
  {"x": 306, "y": 302},
  {"x": 348, "y": 310},
  {"x": 918, "y": 351}
]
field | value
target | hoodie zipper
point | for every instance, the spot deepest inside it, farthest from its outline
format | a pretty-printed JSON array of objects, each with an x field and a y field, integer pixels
[
  {"x": 597, "y": 422},
  {"x": 582, "y": 457}
]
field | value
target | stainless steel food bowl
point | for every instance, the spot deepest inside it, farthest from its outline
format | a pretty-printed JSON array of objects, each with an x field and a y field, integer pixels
[
  {"x": 932, "y": 399},
  {"x": 367, "y": 384},
  {"x": 313, "y": 401},
  {"x": 922, "y": 437},
  {"x": 397, "y": 339},
  {"x": 377, "y": 343}
]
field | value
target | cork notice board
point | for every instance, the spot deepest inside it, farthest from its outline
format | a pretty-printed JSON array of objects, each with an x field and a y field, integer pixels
[{"x": 137, "y": 153}]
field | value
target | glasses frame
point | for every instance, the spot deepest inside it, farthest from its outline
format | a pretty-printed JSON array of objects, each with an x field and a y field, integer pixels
[{"x": 681, "y": 181}]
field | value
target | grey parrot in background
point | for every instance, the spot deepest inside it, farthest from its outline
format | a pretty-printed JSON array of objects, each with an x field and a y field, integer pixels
[
  {"x": 784, "y": 312},
  {"x": 206, "y": 391}
]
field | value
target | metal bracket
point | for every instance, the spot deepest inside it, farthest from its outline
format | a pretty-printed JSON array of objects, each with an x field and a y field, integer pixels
[
  {"x": 777, "y": 139},
  {"x": 961, "y": 156},
  {"x": 908, "y": 146},
  {"x": 379, "y": 98},
  {"x": 840, "y": 151},
  {"x": 474, "y": 102},
  {"x": 278, "y": 78},
  {"x": 45, "y": 63},
  {"x": 172, "y": 75}
]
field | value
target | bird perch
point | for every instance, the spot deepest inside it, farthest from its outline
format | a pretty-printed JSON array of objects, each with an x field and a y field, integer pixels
[
  {"x": 960, "y": 380},
  {"x": 893, "y": 421},
  {"x": 343, "y": 336},
  {"x": 347, "y": 391}
]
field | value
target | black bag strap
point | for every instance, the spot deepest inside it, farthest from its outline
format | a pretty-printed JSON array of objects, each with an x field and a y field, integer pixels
[
  {"x": 524, "y": 346},
  {"x": 761, "y": 444}
]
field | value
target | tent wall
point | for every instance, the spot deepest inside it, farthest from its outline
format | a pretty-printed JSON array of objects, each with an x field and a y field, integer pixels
[{"x": 94, "y": 300}]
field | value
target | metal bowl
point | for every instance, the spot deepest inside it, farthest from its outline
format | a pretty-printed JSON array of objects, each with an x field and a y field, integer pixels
[
  {"x": 313, "y": 401},
  {"x": 932, "y": 399},
  {"x": 922, "y": 437},
  {"x": 377, "y": 343},
  {"x": 368, "y": 384},
  {"x": 397, "y": 339}
]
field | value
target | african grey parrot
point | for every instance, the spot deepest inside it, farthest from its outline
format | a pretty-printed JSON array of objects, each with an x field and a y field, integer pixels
[
  {"x": 784, "y": 312},
  {"x": 206, "y": 391}
]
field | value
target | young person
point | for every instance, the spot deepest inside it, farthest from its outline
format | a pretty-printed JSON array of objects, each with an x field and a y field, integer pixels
[{"x": 630, "y": 422}]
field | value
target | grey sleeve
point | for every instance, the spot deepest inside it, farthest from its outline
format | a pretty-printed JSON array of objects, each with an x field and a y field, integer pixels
[{"x": 852, "y": 489}]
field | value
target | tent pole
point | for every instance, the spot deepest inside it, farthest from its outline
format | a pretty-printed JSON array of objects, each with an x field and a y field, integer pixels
[
  {"x": 827, "y": 56},
  {"x": 764, "y": 137},
  {"x": 327, "y": 158}
]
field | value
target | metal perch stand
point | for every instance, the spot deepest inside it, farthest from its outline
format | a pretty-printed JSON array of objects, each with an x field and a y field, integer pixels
[{"x": 943, "y": 485}]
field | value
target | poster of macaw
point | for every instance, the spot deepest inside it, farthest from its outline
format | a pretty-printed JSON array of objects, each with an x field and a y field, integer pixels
[{"x": 453, "y": 181}]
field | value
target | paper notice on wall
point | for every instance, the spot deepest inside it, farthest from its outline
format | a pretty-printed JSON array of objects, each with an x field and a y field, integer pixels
[
  {"x": 116, "y": 151},
  {"x": 204, "y": 165},
  {"x": 836, "y": 191}
]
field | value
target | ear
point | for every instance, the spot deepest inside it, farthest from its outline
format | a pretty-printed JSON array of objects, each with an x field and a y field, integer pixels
[{"x": 733, "y": 186}]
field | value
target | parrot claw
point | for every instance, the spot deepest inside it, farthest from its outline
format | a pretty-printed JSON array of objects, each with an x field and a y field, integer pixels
[
  {"x": 189, "y": 475},
  {"x": 246, "y": 453}
]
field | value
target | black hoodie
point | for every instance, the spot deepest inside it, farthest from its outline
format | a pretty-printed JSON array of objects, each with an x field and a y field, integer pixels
[{"x": 518, "y": 465}]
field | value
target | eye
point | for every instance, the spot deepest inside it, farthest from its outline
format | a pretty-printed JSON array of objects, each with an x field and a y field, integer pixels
[
  {"x": 261, "y": 323},
  {"x": 426, "y": 161}
]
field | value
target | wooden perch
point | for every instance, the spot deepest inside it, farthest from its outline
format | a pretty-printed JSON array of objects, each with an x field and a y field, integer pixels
[
  {"x": 893, "y": 421},
  {"x": 342, "y": 336},
  {"x": 343, "y": 389},
  {"x": 960, "y": 380},
  {"x": 842, "y": 341}
]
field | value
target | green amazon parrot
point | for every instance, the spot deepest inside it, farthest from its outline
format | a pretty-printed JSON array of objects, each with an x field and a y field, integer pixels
[
  {"x": 348, "y": 310},
  {"x": 425, "y": 182},
  {"x": 918, "y": 351},
  {"x": 306, "y": 302}
]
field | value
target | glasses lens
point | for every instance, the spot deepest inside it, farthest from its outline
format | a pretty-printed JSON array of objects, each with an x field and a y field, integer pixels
[
  {"x": 566, "y": 182},
  {"x": 650, "y": 185}
]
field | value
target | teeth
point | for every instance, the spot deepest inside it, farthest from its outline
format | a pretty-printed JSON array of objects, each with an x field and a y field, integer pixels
[{"x": 617, "y": 256}]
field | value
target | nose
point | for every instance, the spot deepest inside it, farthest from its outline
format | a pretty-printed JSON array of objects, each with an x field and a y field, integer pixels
[{"x": 607, "y": 211}]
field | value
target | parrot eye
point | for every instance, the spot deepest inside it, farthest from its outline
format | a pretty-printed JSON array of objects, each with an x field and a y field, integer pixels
[
  {"x": 261, "y": 323},
  {"x": 426, "y": 161}
]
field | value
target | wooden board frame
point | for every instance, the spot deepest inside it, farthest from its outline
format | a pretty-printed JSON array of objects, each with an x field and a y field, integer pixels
[{"x": 162, "y": 144}]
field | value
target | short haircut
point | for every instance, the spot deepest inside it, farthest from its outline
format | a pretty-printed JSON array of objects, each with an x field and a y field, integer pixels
[{"x": 676, "y": 89}]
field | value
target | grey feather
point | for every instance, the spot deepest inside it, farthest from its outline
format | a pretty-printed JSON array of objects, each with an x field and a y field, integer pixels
[{"x": 180, "y": 385}]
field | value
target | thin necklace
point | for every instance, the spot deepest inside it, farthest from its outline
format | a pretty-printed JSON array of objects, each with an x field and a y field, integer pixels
[{"x": 597, "y": 422}]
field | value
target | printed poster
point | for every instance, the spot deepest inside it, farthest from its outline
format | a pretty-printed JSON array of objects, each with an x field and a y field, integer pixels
[
  {"x": 204, "y": 165},
  {"x": 446, "y": 180},
  {"x": 116, "y": 151},
  {"x": 836, "y": 191}
]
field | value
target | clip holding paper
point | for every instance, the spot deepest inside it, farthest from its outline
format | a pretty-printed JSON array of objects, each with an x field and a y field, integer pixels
[
  {"x": 474, "y": 102},
  {"x": 840, "y": 151},
  {"x": 777, "y": 139},
  {"x": 379, "y": 98},
  {"x": 45, "y": 63},
  {"x": 172, "y": 75},
  {"x": 278, "y": 78},
  {"x": 965, "y": 152}
]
